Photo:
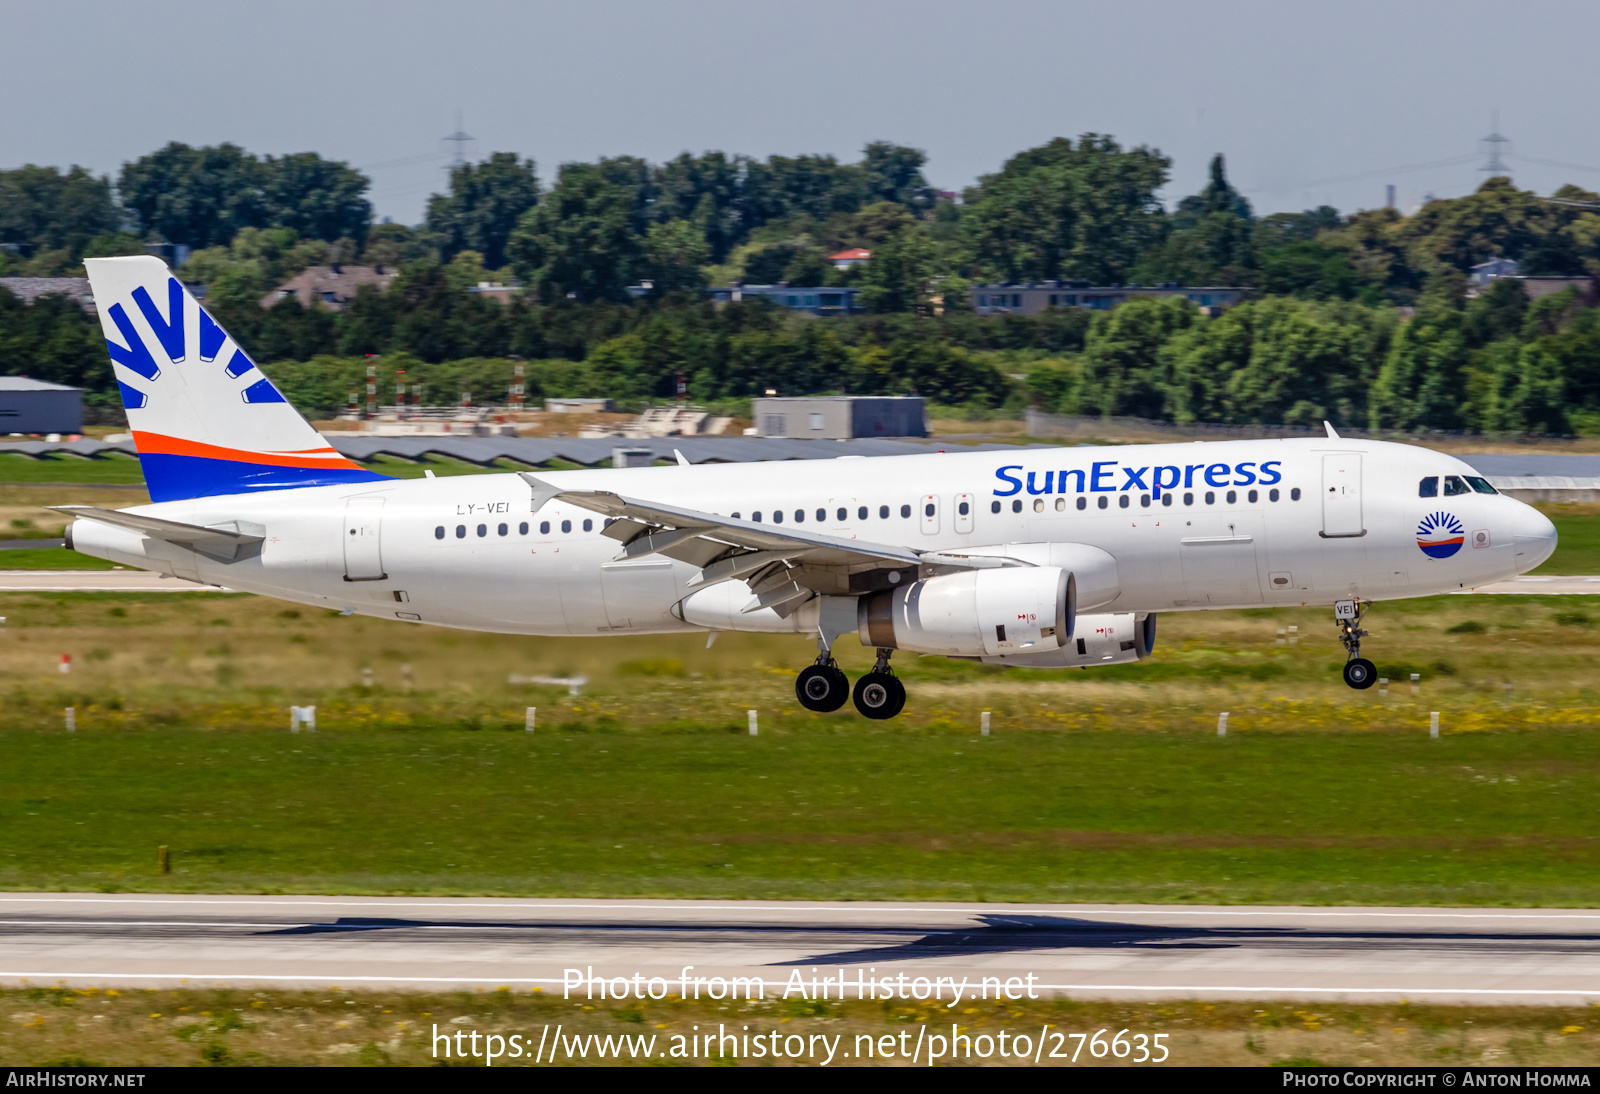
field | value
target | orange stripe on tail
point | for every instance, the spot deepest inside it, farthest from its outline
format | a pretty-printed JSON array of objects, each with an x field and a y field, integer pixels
[{"x": 156, "y": 443}]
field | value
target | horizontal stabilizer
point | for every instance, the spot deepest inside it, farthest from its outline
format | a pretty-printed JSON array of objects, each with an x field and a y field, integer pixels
[{"x": 223, "y": 543}]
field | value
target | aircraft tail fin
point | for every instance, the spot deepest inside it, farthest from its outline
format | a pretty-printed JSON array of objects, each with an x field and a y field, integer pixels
[{"x": 204, "y": 418}]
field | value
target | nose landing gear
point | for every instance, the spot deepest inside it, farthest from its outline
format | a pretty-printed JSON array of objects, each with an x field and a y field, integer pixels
[
  {"x": 879, "y": 694},
  {"x": 1359, "y": 673}
]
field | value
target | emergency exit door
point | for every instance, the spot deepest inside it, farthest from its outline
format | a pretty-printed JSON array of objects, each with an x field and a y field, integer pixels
[
  {"x": 363, "y": 532},
  {"x": 1341, "y": 495}
]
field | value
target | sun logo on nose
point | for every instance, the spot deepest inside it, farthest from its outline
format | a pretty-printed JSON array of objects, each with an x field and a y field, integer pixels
[{"x": 1440, "y": 535}]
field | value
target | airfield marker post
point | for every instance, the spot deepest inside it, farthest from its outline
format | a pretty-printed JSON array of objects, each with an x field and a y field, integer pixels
[
  {"x": 528, "y": 719},
  {"x": 983, "y": 723},
  {"x": 1282, "y": 641},
  {"x": 366, "y": 677},
  {"x": 66, "y": 664},
  {"x": 752, "y": 723},
  {"x": 1416, "y": 683},
  {"x": 71, "y": 714},
  {"x": 1433, "y": 724},
  {"x": 1383, "y": 685},
  {"x": 1222, "y": 724},
  {"x": 309, "y": 716},
  {"x": 1294, "y": 636}
]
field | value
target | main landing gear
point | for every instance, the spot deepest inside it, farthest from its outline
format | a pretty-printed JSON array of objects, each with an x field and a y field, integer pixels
[
  {"x": 1359, "y": 673},
  {"x": 824, "y": 687},
  {"x": 879, "y": 694}
]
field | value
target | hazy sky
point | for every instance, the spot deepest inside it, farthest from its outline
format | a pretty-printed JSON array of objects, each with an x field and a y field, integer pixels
[{"x": 1294, "y": 93}]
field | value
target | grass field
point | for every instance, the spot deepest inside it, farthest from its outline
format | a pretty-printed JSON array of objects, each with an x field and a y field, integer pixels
[
  {"x": 1096, "y": 785},
  {"x": 334, "y": 1027}
]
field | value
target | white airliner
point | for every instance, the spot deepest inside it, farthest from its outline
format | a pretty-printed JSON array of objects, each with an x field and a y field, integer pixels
[{"x": 1041, "y": 558}]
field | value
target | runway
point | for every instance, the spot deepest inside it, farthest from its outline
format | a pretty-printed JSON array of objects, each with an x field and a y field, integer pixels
[
  {"x": 142, "y": 581},
  {"x": 1476, "y": 955}
]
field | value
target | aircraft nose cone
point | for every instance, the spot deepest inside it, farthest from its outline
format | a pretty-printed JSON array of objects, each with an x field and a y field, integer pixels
[{"x": 1534, "y": 536}]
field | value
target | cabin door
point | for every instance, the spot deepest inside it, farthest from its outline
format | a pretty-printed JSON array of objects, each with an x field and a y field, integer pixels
[
  {"x": 1341, "y": 495},
  {"x": 363, "y": 531}
]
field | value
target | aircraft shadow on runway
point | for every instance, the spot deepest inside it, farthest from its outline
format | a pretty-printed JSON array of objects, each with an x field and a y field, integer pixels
[{"x": 998, "y": 933}]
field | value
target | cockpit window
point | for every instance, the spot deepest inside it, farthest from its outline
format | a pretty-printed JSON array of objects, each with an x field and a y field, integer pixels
[
  {"x": 1428, "y": 487},
  {"x": 1481, "y": 485},
  {"x": 1453, "y": 486}
]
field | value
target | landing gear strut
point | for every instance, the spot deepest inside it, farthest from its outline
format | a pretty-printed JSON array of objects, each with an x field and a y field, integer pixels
[
  {"x": 879, "y": 694},
  {"x": 1359, "y": 673}
]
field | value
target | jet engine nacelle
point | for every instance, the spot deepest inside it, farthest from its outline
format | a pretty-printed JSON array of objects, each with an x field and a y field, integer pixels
[
  {"x": 974, "y": 613},
  {"x": 1111, "y": 639}
]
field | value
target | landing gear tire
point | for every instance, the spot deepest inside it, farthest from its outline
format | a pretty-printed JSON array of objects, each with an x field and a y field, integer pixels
[
  {"x": 822, "y": 688},
  {"x": 879, "y": 695},
  {"x": 1360, "y": 673}
]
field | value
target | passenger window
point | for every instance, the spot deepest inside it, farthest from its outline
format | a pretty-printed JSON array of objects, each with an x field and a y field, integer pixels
[
  {"x": 861, "y": 513},
  {"x": 756, "y": 516},
  {"x": 822, "y": 515},
  {"x": 799, "y": 516},
  {"x": 1124, "y": 501},
  {"x": 1038, "y": 506},
  {"x": 1016, "y": 506},
  {"x": 1083, "y": 503},
  {"x": 483, "y": 530},
  {"x": 1211, "y": 497},
  {"x": 1481, "y": 485},
  {"x": 963, "y": 508},
  {"x": 1453, "y": 486},
  {"x": 566, "y": 526},
  {"x": 735, "y": 516},
  {"x": 994, "y": 507},
  {"x": 1428, "y": 487},
  {"x": 522, "y": 529},
  {"x": 1061, "y": 505},
  {"x": 777, "y": 516},
  {"x": 1166, "y": 499},
  {"x": 1233, "y": 496},
  {"x": 544, "y": 528},
  {"x": 503, "y": 529},
  {"x": 588, "y": 526},
  {"x": 1272, "y": 495},
  {"x": 1188, "y": 499},
  {"x": 1103, "y": 502},
  {"x": 927, "y": 510},
  {"x": 1144, "y": 501},
  {"x": 438, "y": 533},
  {"x": 1253, "y": 497},
  {"x": 1294, "y": 495},
  {"x": 883, "y": 512},
  {"x": 461, "y": 531},
  {"x": 905, "y": 512}
]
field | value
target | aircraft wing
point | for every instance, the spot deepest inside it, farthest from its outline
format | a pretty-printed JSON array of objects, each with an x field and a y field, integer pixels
[{"x": 649, "y": 527}]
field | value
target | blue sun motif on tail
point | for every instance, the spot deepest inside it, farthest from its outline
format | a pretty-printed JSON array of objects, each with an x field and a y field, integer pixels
[{"x": 1440, "y": 535}]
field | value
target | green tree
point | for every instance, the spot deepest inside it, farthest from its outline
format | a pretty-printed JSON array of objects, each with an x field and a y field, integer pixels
[
  {"x": 580, "y": 240},
  {"x": 1064, "y": 210},
  {"x": 1124, "y": 369},
  {"x": 44, "y": 209},
  {"x": 485, "y": 203},
  {"x": 317, "y": 198},
  {"x": 674, "y": 253},
  {"x": 1423, "y": 382},
  {"x": 901, "y": 274}
]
